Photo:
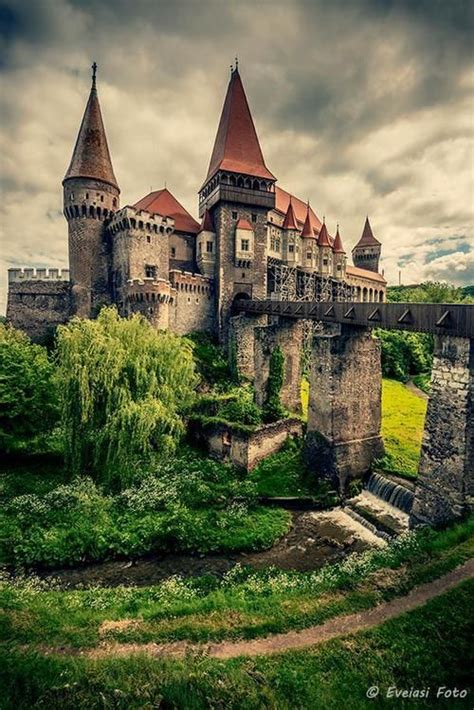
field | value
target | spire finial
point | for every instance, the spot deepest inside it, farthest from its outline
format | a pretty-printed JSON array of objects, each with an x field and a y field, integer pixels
[
  {"x": 324, "y": 219},
  {"x": 236, "y": 63},
  {"x": 94, "y": 74}
]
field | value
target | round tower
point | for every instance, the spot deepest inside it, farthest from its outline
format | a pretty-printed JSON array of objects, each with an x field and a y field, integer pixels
[
  {"x": 366, "y": 253},
  {"x": 324, "y": 252},
  {"x": 339, "y": 257},
  {"x": 90, "y": 197}
]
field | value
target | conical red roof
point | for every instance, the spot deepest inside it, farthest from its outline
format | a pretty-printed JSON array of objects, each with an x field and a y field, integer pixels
[
  {"x": 164, "y": 203},
  {"x": 236, "y": 147},
  {"x": 91, "y": 157},
  {"x": 308, "y": 231},
  {"x": 367, "y": 239},
  {"x": 323, "y": 238},
  {"x": 290, "y": 219},
  {"x": 337, "y": 245},
  {"x": 206, "y": 224}
]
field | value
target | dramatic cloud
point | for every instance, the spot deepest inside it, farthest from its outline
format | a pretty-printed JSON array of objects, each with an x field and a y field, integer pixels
[{"x": 362, "y": 107}]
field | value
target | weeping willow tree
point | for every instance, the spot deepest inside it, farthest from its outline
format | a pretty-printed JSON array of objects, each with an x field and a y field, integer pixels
[{"x": 124, "y": 389}]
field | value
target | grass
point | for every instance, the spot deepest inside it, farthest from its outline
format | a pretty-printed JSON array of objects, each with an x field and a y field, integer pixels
[
  {"x": 403, "y": 416},
  {"x": 244, "y": 604},
  {"x": 427, "y": 648}
]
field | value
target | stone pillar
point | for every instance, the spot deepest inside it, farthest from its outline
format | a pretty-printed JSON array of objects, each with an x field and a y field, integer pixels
[
  {"x": 445, "y": 485},
  {"x": 288, "y": 334},
  {"x": 241, "y": 343},
  {"x": 344, "y": 417}
]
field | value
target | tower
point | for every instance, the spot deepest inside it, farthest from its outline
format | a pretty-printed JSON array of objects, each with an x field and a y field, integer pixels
[
  {"x": 90, "y": 196},
  {"x": 309, "y": 250},
  {"x": 206, "y": 246},
  {"x": 366, "y": 253},
  {"x": 339, "y": 257},
  {"x": 290, "y": 237},
  {"x": 238, "y": 191},
  {"x": 324, "y": 252}
]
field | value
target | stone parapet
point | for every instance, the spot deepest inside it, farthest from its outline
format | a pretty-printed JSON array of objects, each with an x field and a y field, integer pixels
[{"x": 19, "y": 275}]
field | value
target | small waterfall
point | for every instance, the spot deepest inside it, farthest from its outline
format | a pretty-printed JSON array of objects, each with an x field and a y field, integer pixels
[
  {"x": 366, "y": 523},
  {"x": 390, "y": 492}
]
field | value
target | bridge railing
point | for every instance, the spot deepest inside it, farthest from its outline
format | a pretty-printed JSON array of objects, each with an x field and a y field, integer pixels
[{"x": 436, "y": 318}]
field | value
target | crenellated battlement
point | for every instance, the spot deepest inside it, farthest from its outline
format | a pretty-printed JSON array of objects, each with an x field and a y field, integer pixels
[
  {"x": 16, "y": 275},
  {"x": 193, "y": 283},
  {"x": 129, "y": 218},
  {"x": 149, "y": 290}
]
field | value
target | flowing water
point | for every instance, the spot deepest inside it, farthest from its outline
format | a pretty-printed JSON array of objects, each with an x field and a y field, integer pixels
[{"x": 391, "y": 492}]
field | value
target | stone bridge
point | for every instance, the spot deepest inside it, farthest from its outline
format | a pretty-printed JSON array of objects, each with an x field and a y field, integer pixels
[{"x": 344, "y": 418}]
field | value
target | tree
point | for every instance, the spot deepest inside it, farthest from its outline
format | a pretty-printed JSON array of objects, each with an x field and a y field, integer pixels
[
  {"x": 124, "y": 389},
  {"x": 28, "y": 395}
]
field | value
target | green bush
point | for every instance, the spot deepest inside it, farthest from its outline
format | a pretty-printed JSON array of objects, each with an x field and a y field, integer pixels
[
  {"x": 405, "y": 354},
  {"x": 211, "y": 362},
  {"x": 29, "y": 407},
  {"x": 273, "y": 409}
]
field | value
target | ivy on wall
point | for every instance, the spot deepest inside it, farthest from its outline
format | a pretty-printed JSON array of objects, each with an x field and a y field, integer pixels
[{"x": 273, "y": 408}]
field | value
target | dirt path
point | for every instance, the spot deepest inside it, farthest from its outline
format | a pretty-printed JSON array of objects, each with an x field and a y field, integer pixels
[{"x": 292, "y": 640}]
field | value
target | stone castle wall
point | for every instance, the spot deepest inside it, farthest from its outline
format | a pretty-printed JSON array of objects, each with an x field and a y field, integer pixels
[
  {"x": 445, "y": 484},
  {"x": 38, "y": 305},
  {"x": 193, "y": 308}
]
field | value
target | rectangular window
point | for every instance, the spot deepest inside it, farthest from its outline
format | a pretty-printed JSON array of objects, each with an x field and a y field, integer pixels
[
  {"x": 200, "y": 248},
  {"x": 308, "y": 255},
  {"x": 254, "y": 218},
  {"x": 234, "y": 215},
  {"x": 244, "y": 245},
  {"x": 148, "y": 238},
  {"x": 291, "y": 248},
  {"x": 173, "y": 251},
  {"x": 277, "y": 245},
  {"x": 325, "y": 262},
  {"x": 150, "y": 271},
  {"x": 209, "y": 247}
]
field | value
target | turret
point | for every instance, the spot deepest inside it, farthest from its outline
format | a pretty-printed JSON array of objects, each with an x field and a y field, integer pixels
[
  {"x": 366, "y": 253},
  {"x": 290, "y": 237},
  {"x": 309, "y": 248},
  {"x": 206, "y": 246},
  {"x": 91, "y": 196},
  {"x": 339, "y": 257},
  {"x": 324, "y": 252}
]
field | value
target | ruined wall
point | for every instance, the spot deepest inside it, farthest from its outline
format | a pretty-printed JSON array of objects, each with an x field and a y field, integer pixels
[
  {"x": 445, "y": 485},
  {"x": 242, "y": 341},
  {"x": 287, "y": 333},
  {"x": 38, "y": 305},
  {"x": 193, "y": 308},
  {"x": 344, "y": 415}
]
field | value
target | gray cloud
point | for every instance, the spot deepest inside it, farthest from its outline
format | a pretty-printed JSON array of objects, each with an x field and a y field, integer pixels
[{"x": 364, "y": 107}]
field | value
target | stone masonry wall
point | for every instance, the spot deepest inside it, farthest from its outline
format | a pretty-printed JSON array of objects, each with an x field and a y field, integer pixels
[
  {"x": 37, "y": 307},
  {"x": 445, "y": 485},
  {"x": 344, "y": 415},
  {"x": 288, "y": 335},
  {"x": 242, "y": 338},
  {"x": 193, "y": 307}
]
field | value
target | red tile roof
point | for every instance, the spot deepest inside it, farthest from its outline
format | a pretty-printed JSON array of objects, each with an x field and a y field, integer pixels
[
  {"x": 308, "y": 227},
  {"x": 337, "y": 245},
  {"x": 323, "y": 237},
  {"x": 282, "y": 202},
  {"x": 206, "y": 224},
  {"x": 244, "y": 224},
  {"x": 91, "y": 157},
  {"x": 365, "y": 274},
  {"x": 236, "y": 147},
  {"x": 290, "y": 219},
  {"x": 162, "y": 202},
  {"x": 367, "y": 239}
]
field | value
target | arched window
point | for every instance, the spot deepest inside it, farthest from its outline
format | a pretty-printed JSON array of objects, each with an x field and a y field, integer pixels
[
  {"x": 256, "y": 185},
  {"x": 232, "y": 180},
  {"x": 92, "y": 211},
  {"x": 84, "y": 211},
  {"x": 240, "y": 182},
  {"x": 364, "y": 294}
]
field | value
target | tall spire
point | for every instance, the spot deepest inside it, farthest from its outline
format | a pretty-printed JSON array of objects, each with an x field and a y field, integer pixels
[
  {"x": 91, "y": 157},
  {"x": 236, "y": 147},
  {"x": 367, "y": 239},
  {"x": 308, "y": 231},
  {"x": 323, "y": 238},
  {"x": 338, "y": 246},
  {"x": 290, "y": 219}
]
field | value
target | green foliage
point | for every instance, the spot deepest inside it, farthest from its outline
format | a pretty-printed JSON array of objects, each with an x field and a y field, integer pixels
[
  {"x": 210, "y": 361},
  {"x": 124, "y": 388},
  {"x": 405, "y": 354},
  {"x": 430, "y": 292},
  {"x": 285, "y": 474},
  {"x": 181, "y": 503},
  {"x": 235, "y": 408},
  {"x": 423, "y": 382},
  {"x": 273, "y": 409},
  {"x": 28, "y": 393},
  {"x": 403, "y": 416}
]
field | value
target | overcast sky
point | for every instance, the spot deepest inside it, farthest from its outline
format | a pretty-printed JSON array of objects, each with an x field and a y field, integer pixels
[{"x": 362, "y": 106}]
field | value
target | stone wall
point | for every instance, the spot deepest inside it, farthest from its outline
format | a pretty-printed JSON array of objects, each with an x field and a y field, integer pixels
[
  {"x": 445, "y": 485},
  {"x": 344, "y": 415},
  {"x": 38, "y": 306},
  {"x": 246, "y": 450},
  {"x": 287, "y": 333},
  {"x": 193, "y": 308},
  {"x": 242, "y": 338}
]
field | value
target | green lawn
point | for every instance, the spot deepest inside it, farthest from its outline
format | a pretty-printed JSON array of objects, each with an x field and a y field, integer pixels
[
  {"x": 426, "y": 648},
  {"x": 403, "y": 416}
]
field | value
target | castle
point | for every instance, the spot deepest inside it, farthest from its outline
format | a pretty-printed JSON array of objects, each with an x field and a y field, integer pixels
[{"x": 254, "y": 240}]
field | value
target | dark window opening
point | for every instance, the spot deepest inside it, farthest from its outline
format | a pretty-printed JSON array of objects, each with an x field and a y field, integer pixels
[
  {"x": 254, "y": 218},
  {"x": 150, "y": 271},
  {"x": 209, "y": 247},
  {"x": 173, "y": 251},
  {"x": 234, "y": 215}
]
